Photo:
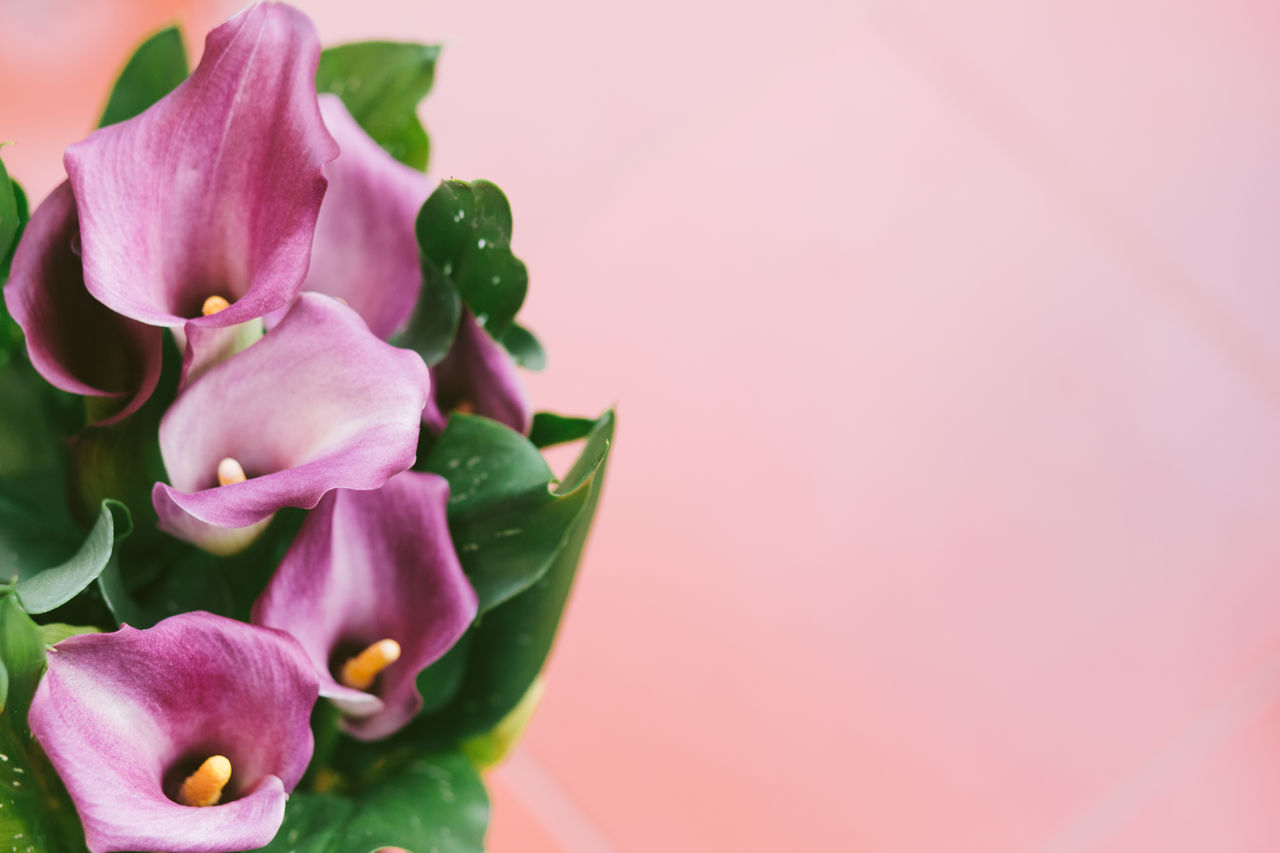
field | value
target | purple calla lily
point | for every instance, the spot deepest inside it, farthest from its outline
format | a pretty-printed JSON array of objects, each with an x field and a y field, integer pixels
[
  {"x": 479, "y": 376},
  {"x": 213, "y": 191},
  {"x": 367, "y": 568},
  {"x": 129, "y": 720},
  {"x": 74, "y": 341},
  {"x": 366, "y": 251},
  {"x": 318, "y": 404}
]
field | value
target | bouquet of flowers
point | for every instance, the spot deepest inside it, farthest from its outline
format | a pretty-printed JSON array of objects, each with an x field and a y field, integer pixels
[{"x": 281, "y": 559}]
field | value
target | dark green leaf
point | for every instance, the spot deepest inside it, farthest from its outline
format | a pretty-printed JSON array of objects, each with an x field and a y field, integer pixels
[
  {"x": 155, "y": 69},
  {"x": 550, "y": 429},
  {"x": 178, "y": 590},
  {"x": 55, "y": 586},
  {"x": 524, "y": 347},
  {"x": 312, "y": 824},
  {"x": 8, "y": 213},
  {"x": 506, "y": 524},
  {"x": 431, "y": 804},
  {"x": 439, "y": 682},
  {"x": 435, "y": 318},
  {"x": 509, "y": 646},
  {"x": 381, "y": 84},
  {"x": 464, "y": 232},
  {"x": 424, "y": 803},
  {"x": 13, "y": 221},
  {"x": 35, "y": 813}
]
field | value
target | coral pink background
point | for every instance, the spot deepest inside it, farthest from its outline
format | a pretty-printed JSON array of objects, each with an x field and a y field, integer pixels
[{"x": 946, "y": 342}]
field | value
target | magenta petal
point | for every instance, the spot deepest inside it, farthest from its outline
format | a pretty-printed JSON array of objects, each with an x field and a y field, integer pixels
[
  {"x": 124, "y": 716},
  {"x": 318, "y": 404},
  {"x": 216, "y": 188},
  {"x": 74, "y": 341},
  {"x": 369, "y": 566},
  {"x": 366, "y": 250},
  {"x": 479, "y": 374}
]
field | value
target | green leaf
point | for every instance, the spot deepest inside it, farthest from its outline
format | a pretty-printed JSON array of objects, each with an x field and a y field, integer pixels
[
  {"x": 489, "y": 749},
  {"x": 434, "y": 322},
  {"x": 433, "y": 803},
  {"x": 54, "y": 587},
  {"x": 11, "y": 337},
  {"x": 506, "y": 524},
  {"x": 183, "y": 588},
  {"x": 13, "y": 221},
  {"x": 312, "y": 824},
  {"x": 524, "y": 347},
  {"x": 8, "y": 213},
  {"x": 437, "y": 803},
  {"x": 510, "y": 645},
  {"x": 550, "y": 429},
  {"x": 56, "y": 632},
  {"x": 155, "y": 69},
  {"x": 22, "y": 653},
  {"x": 464, "y": 232},
  {"x": 36, "y": 816},
  {"x": 381, "y": 84}
]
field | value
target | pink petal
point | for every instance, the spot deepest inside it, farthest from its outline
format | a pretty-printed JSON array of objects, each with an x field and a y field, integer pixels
[
  {"x": 74, "y": 341},
  {"x": 480, "y": 374},
  {"x": 366, "y": 249},
  {"x": 122, "y": 716},
  {"x": 369, "y": 566},
  {"x": 216, "y": 188},
  {"x": 318, "y": 404}
]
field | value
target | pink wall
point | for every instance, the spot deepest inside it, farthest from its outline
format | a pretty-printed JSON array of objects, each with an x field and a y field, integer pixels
[{"x": 944, "y": 337}]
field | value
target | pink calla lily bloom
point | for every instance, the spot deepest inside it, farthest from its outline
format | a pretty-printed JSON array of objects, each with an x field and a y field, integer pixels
[
  {"x": 366, "y": 253},
  {"x": 366, "y": 250},
  {"x": 318, "y": 404},
  {"x": 213, "y": 191},
  {"x": 75, "y": 342},
  {"x": 477, "y": 375},
  {"x": 367, "y": 568},
  {"x": 129, "y": 718}
]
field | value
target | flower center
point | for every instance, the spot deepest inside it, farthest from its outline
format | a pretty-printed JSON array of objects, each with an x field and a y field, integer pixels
[
  {"x": 204, "y": 787},
  {"x": 214, "y": 304},
  {"x": 230, "y": 471},
  {"x": 359, "y": 672}
]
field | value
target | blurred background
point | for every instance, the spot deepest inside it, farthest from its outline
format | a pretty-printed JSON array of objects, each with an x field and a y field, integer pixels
[{"x": 946, "y": 343}]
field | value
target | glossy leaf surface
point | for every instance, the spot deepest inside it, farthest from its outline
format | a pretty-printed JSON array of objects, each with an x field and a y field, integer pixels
[
  {"x": 509, "y": 646},
  {"x": 464, "y": 231},
  {"x": 506, "y": 524}
]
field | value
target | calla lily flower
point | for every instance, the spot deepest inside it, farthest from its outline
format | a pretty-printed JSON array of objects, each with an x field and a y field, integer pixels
[
  {"x": 74, "y": 341},
  {"x": 366, "y": 250},
  {"x": 183, "y": 737},
  {"x": 477, "y": 376},
  {"x": 318, "y": 404},
  {"x": 366, "y": 253},
  {"x": 374, "y": 592},
  {"x": 213, "y": 192}
]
